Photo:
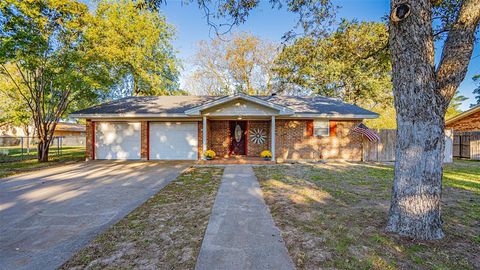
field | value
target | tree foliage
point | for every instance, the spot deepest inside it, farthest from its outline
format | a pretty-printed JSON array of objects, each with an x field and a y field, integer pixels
[
  {"x": 314, "y": 16},
  {"x": 352, "y": 64},
  {"x": 476, "y": 91},
  {"x": 136, "y": 43},
  {"x": 58, "y": 57},
  {"x": 13, "y": 109},
  {"x": 240, "y": 64}
]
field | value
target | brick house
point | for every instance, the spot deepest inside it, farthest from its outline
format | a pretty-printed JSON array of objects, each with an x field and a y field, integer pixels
[
  {"x": 466, "y": 121},
  {"x": 184, "y": 127}
]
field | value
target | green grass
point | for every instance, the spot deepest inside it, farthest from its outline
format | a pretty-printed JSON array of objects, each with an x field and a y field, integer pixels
[
  {"x": 15, "y": 165},
  {"x": 166, "y": 232},
  {"x": 333, "y": 215}
]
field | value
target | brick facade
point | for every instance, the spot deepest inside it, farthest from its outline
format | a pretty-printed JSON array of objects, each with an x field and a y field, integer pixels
[
  {"x": 89, "y": 141},
  {"x": 218, "y": 133},
  {"x": 468, "y": 123},
  {"x": 293, "y": 142},
  {"x": 254, "y": 149},
  {"x": 144, "y": 138}
]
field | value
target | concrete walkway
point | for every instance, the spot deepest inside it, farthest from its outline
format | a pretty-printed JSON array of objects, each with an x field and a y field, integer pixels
[{"x": 241, "y": 233}]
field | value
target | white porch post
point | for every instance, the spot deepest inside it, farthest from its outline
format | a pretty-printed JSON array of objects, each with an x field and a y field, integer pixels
[
  {"x": 204, "y": 137},
  {"x": 272, "y": 129}
]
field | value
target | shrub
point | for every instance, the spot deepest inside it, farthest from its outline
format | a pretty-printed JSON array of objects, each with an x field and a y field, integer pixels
[
  {"x": 210, "y": 154},
  {"x": 266, "y": 154}
]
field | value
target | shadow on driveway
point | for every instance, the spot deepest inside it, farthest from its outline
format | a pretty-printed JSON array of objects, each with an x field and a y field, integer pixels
[{"x": 46, "y": 216}]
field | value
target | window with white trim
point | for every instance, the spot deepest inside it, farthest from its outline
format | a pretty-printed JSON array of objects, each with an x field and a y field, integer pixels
[{"x": 321, "y": 128}]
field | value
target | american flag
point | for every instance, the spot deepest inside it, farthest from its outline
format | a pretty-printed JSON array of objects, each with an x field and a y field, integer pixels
[{"x": 370, "y": 134}]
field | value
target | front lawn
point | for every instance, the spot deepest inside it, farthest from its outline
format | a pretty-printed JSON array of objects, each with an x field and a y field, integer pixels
[
  {"x": 333, "y": 215},
  {"x": 166, "y": 232},
  {"x": 15, "y": 163}
]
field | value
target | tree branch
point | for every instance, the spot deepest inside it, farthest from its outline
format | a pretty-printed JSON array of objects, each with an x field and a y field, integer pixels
[{"x": 457, "y": 51}]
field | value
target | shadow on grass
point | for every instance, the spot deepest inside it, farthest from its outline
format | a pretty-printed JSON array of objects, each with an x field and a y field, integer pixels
[{"x": 343, "y": 225}]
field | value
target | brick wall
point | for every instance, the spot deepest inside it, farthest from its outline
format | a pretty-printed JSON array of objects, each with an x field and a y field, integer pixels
[
  {"x": 468, "y": 123},
  {"x": 218, "y": 137},
  {"x": 254, "y": 149},
  {"x": 292, "y": 142},
  {"x": 144, "y": 138},
  {"x": 89, "y": 139}
]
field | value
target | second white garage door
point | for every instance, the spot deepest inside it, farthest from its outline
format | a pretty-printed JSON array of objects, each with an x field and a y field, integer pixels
[{"x": 174, "y": 140}]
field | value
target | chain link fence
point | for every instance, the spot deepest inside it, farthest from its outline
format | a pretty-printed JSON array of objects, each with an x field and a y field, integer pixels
[{"x": 22, "y": 148}]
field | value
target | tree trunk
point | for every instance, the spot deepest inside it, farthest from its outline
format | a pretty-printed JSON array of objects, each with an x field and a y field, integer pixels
[
  {"x": 422, "y": 95},
  {"x": 417, "y": 187},
  {"x": 43, "y": 149}
]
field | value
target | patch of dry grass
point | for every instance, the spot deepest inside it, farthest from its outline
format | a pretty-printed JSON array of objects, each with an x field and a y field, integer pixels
[
  {"x": 165, "y": 232},
  {"x": 333, "y": 215}
]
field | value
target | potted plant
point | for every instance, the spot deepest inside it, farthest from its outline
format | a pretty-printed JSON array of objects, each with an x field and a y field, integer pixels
[
  {"x": 210, "y": 154},
  {"x": 266, "y": 155}
]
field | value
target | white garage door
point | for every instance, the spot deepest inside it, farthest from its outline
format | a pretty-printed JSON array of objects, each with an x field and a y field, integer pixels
[
  {"x": 116, "y": 140},
  {"x": 174, "y": 140}
]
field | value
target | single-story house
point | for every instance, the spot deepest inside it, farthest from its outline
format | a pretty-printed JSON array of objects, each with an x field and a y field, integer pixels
[
  {"x": 63, "y": 129},
  {"x": 184, "y": 127},
  {"x": 467, "y": 121}
]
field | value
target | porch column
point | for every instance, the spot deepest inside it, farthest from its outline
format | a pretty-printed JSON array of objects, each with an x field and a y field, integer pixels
[
  {"x": 272, "y": 140},
  {"x": 204, "y": 137}
]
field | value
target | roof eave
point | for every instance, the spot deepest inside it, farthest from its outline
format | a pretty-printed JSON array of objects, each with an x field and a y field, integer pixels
[
  {"x": 198, "y": 110},
  {"x": 126, "y": 115},
  {"x": 336, "y": 116},
  {"x": 462, "y": 115}
]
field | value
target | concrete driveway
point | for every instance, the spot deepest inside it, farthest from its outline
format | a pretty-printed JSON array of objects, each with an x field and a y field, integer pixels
[{"x": 48, "y": 215}]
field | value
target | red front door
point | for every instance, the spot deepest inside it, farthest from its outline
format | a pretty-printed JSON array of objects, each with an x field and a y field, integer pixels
[{"x": 238, "y": 132}]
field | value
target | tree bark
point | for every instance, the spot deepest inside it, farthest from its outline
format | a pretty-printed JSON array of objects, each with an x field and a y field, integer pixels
[
  {"x": 421, "y": 99},
  {"x": 43, "y": 149}
]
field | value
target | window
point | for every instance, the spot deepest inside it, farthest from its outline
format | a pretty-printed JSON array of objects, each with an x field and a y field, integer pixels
[{"x": 321, "y": 128}]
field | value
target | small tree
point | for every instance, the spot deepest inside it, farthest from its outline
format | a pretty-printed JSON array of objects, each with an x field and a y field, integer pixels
[
  {"x": 237, "y": 63},
  {"x": 41, "y": 54}
]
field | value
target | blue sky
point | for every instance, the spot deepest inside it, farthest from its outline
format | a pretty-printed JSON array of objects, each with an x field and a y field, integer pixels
[{"x": 191, "y": 27}]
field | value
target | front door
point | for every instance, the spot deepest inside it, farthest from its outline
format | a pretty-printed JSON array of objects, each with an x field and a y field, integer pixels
[{"x": 238, "y": 131}]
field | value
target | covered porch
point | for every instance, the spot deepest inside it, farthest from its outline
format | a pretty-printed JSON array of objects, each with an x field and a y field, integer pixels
[
  {"x": 238, "y": 126},
  {"x": 238, "y": 140}
]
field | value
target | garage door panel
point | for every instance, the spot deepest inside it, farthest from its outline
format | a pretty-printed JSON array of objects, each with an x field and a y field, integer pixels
[
  {"x": 115, "y": 140},
  {"x": 174, "y": 140}
]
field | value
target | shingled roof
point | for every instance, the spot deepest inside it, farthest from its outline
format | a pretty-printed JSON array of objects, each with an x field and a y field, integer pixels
[{"x": 174, "y": 105}]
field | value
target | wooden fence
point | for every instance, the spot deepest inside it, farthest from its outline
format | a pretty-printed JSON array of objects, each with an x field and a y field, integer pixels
[
  {"x": 384, "y": 150},
  {"x": 381, "y": 151},
  {"x": 466, "y": 145}
]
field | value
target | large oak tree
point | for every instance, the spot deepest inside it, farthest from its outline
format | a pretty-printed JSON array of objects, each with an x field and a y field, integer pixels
[{"x": 422, "y": 93}]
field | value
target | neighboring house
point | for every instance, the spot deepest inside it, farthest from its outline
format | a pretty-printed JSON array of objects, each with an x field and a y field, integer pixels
[
  {"x": 184, "y": 127},
  {"x": 466, "y": 121},
  {"x": 62, "y": 129}
]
